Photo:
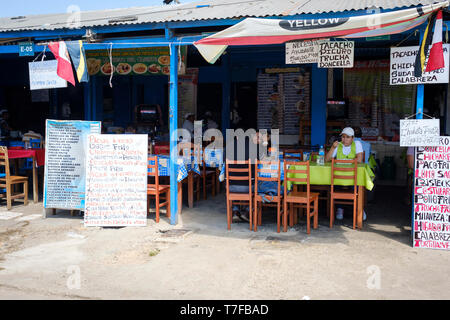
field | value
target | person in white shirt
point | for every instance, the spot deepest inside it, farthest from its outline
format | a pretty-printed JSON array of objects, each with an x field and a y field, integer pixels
[
  {"x": 189, "y": 123},
  {"x": 210, "y": 123},
  {"x": 347, "y": 149}
]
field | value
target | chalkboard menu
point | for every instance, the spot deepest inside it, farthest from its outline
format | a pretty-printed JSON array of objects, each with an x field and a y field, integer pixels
[
  {"x": 116, "y": 180},
  {"x": 432, "y": 196},
  {"x": 64, "y": 185}
]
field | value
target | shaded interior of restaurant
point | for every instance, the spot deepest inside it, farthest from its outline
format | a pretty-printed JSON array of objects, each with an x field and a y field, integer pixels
[{"x": 257, "y": 82}]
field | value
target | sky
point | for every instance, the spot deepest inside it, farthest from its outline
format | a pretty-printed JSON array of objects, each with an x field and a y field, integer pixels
[{"x": 16, "y": 8}]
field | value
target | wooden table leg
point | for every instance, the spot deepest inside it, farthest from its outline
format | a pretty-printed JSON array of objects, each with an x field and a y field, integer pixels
[
  {"x": 180, "y": 197},
  {"x": 191, "y": 189},
  {"x": 35, "y": 182},
  {"x": 359, "y": 215},
  {"x": 217, "y": 181}
]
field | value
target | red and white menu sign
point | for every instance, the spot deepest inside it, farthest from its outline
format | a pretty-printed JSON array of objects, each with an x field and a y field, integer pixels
[
  {"x": 432, "y": 196},
  {"x": 116, "y": 180}
]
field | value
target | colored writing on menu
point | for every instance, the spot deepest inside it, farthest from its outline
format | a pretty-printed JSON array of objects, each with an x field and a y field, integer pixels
[
  {"x": 116, "y": 180},
  {"x": 432, "y": 196}
]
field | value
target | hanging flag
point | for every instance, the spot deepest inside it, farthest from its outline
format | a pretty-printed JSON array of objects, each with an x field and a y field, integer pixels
[
  {"x": 436, "y": 58},
  {"x": 419, "y": 65},
  {"x": 259, "y": 31},
  {"x": 78, "y": 56},
  {"x": 59, "y": 50}
]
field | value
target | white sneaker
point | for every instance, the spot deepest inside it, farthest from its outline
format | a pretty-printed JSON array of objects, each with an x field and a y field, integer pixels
[
  {"x": 364, "y": 216},
  {"x": 339, "y": 214}
]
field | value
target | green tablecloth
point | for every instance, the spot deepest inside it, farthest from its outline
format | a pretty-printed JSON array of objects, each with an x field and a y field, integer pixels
[{"x": 321, "y": 175}]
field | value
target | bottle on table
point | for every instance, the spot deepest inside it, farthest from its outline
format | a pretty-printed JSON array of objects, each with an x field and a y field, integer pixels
[{"x": 321, "y": 157}]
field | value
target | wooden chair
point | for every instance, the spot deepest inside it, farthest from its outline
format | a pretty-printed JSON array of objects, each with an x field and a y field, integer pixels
[
  {"x": 275, "y": 201},
  {"x": 7, "y": 181},
  {"x": 324, "y": 191},
  {"x": 293, "y": 154},
  {"x": 300, "y": 197},
  {"x": 244, "y": 174},
  {"x": 157, "y": 189},
  {"x": 208, "y": 177},
  {"x": 338, "y": 168}
]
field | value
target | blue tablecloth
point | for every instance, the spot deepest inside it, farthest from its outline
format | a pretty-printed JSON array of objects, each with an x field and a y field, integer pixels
[{"x": 185, "y": 164}]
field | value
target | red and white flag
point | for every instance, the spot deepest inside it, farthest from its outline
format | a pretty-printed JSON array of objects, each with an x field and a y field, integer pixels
[
  {"x": 64, "y": 70},
  {"x": 436, "y": 56}
]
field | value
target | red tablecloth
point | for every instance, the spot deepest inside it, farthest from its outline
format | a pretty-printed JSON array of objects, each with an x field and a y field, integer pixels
[{"x": 28, "y": 153}]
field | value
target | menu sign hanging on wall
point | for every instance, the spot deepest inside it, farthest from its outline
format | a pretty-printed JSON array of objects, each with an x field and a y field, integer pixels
[
  {"x": 419, "y": 132},
  {"x": 336, "y": 54},
  {"x": 65, "y": 151},
  {"x": 116, "y": 180},
  {"x": 146, "y": 61},
  {"x": 402, "y": 67},
  {"x": 302, "y": 52},
  {"x": 43, "y": 75},
  {"x": 432, "y": 196}
]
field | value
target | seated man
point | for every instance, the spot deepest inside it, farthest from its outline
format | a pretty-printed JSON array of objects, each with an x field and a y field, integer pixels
[{"x": 347, "y": 149}]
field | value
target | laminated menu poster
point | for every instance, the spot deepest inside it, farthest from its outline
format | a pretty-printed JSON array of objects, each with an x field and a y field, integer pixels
[
  {"x": 116, "y": 181},
  {"x": 64, "y": 178},
  {"x": 432, "y": 196}
]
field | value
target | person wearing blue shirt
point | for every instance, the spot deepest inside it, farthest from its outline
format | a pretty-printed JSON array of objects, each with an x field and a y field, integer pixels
[{"x": 366, "y": 145}]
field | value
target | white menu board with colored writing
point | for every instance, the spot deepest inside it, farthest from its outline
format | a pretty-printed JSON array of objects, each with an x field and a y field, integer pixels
[
  {"x": 116, "y": 181},
  {"x": 432, "y": 196}
]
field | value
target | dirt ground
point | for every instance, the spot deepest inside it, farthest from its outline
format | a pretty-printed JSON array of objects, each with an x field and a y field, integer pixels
[{"x": 58, "y": 258}]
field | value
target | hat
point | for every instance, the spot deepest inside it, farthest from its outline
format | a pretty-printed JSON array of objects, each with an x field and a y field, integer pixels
[
  {"x": 188, "y": 115},
  {"x": 348, "y": 131},
  {"x": 3, "y": 111}
]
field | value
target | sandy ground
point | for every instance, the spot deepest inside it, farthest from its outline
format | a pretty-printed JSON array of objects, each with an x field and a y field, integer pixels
[{"x": 58, "y": 258}]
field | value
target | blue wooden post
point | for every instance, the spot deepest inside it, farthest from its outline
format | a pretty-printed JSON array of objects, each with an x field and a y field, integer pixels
[
  {"x": 319, "y": 105},
  {"x": 419, "y": 101},
  {"x": 173, "y": 115}
]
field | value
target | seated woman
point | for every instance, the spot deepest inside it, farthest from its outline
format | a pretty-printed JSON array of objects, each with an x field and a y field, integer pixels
[{"x": 347, "y": 149}]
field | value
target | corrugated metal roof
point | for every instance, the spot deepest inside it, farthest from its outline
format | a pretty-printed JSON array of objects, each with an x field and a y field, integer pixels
[{"x": 199, "y": 10}]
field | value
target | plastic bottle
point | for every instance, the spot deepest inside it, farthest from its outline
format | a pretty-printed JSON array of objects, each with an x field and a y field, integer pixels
[{"x": 321, "y": 157}]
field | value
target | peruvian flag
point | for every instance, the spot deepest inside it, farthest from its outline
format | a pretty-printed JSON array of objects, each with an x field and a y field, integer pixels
[
  {"x": 436, "y": 57},
  {"x": 59, "y": 50}
]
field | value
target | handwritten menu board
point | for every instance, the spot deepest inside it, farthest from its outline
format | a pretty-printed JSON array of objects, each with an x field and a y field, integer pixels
[
  {"x": 336, "y": 54},
  {"x": 116, "y": 180},
  {"x": 402, "y": 67},
  {"x": 432, "y": 196},
  {"x": 302, "y": 52},
  {"x": 64, "y": 177},
  {"x": 419, "y": 132}
]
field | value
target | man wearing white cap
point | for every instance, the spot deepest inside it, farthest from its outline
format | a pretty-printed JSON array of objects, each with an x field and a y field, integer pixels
[{"x": 347, "y": 149}]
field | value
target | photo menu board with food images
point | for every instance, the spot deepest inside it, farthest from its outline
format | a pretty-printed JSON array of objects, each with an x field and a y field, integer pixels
[
  {"x": 116, "y": 181},
  {"x": 145, "y": 61},
  {"x": 65, "y": 154},
  {"x": 283, "y": 96},
  {"x": 432, "y": 196}
]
